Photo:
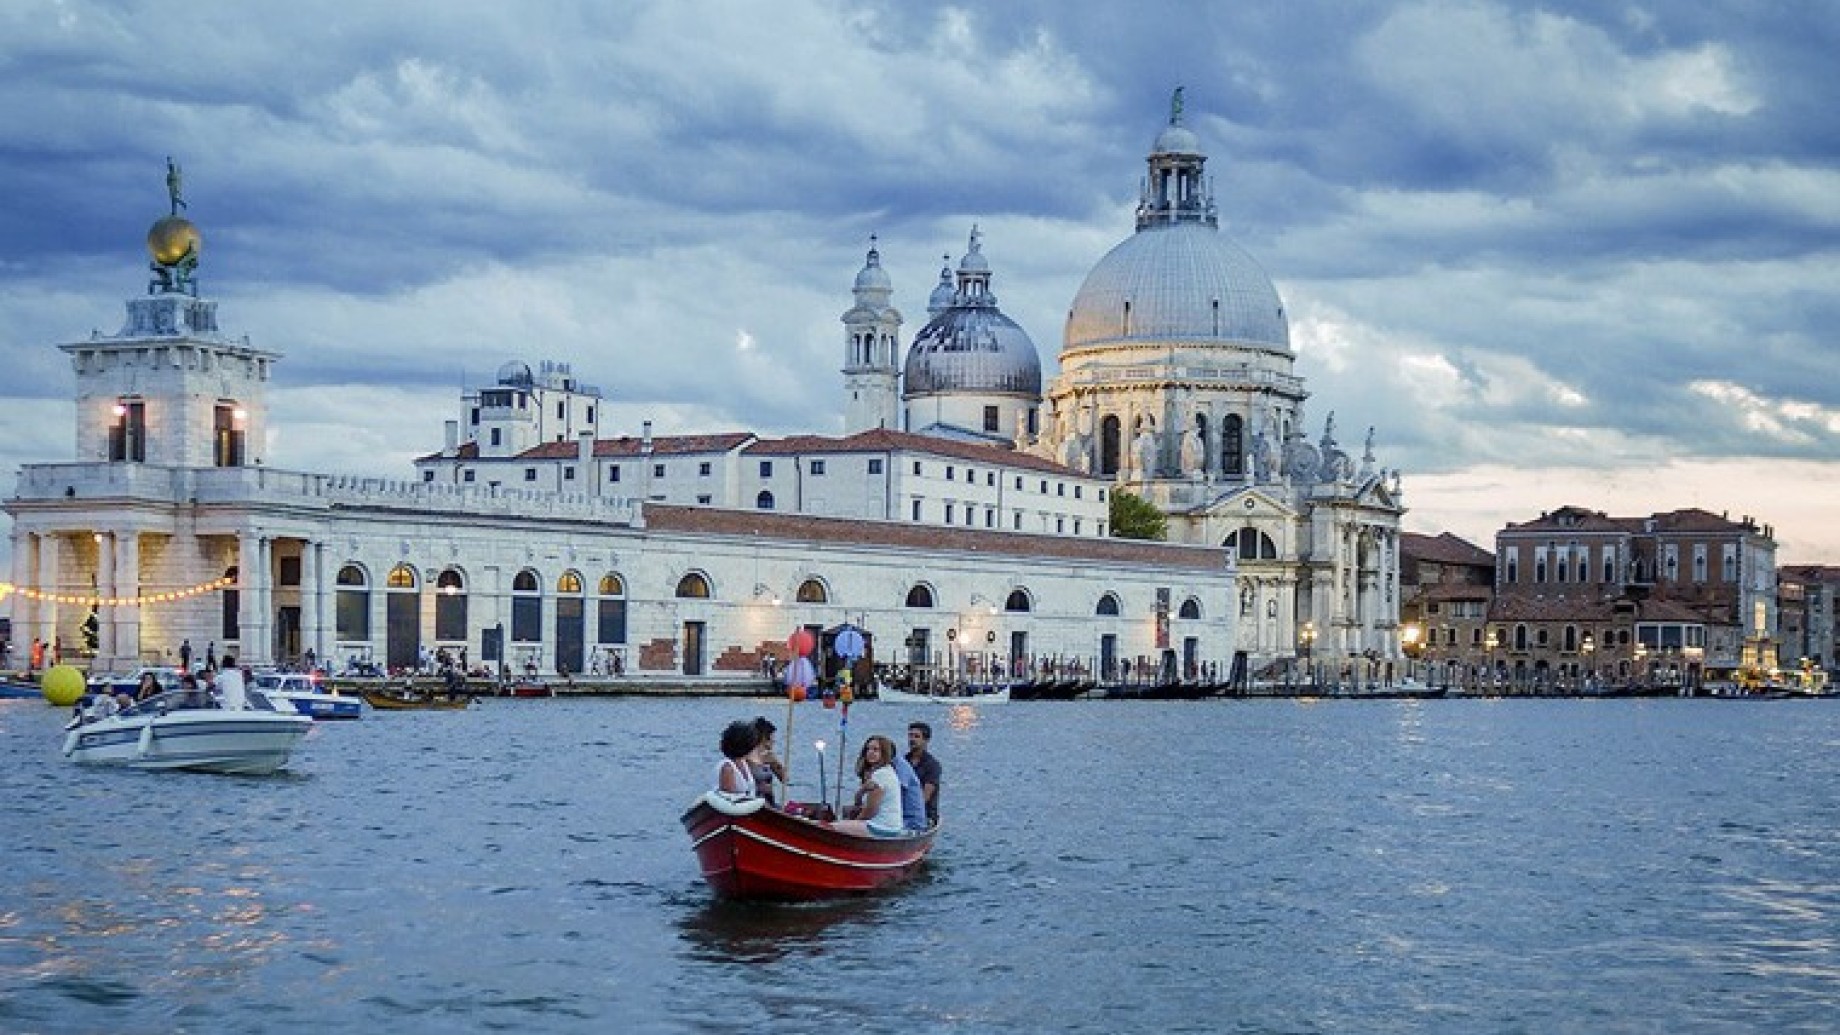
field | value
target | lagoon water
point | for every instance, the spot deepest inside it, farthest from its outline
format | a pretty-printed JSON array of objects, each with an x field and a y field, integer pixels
[{"x": 1225, "y": 866}]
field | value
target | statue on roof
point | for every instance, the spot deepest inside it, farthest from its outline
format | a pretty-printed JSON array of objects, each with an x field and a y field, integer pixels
[
  {"x": 1175, "y": 107},
  {"x": 174, "y": 180}
]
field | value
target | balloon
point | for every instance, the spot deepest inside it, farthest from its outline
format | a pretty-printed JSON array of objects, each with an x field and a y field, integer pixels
[
  {"x": 797, "y": 693},
  {"x": 849, "y": 644},
  {"x": 830, "y": 701},
  {"x": 62, "y": 685},
  {"x": 800, "y": 642},
  {"x": 846, "y": 695}
]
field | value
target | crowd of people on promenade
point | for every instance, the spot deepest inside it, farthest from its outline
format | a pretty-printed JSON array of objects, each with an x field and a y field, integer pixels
[{"x": 896, "y": 794}]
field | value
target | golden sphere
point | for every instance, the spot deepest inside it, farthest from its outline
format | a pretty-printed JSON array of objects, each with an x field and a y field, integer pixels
[{"x": 171, "y": 238}]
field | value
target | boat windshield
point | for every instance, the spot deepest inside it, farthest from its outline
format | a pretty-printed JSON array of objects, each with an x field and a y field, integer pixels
[{"x": 172, "y": 700}]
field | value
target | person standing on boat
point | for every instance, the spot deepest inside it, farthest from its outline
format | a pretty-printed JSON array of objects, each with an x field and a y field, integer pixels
[
  {"x": 767, "y": 766},
  {"x": 735, "y": 773},
  {"x": 877, "y": 812},
  {"x": 926, "y": 767}
]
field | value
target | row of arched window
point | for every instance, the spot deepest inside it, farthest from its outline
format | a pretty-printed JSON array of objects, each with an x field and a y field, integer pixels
[{"x": 450, "y": 588}]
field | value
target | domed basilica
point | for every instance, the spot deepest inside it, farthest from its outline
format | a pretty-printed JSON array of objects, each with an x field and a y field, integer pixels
[{"x": 1177, "y": 384}]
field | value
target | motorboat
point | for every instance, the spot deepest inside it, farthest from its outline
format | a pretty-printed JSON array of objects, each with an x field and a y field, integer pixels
[
  {"x": 130, "y": 682},
  {"x": 239, "y": 732},
  {"x": 749, "y": 850},
  {"x": 305, "y": 695}
]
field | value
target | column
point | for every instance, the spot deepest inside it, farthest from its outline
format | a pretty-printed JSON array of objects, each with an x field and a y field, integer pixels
[
  {"x": 310, "y": 598},
  {"x": 25, "y": 609},
  {"x": 127, "y": 617},
  {"x": 49, "y": 550},
  {"x": 248, "y": 614},
  {"x": 103, "y": 585}
]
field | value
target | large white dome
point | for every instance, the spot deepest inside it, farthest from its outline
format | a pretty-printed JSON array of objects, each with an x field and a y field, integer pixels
[{"x": 1178, "y": 282}]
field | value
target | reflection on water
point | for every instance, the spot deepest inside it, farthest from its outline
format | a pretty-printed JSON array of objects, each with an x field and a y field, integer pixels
[{"x": 764, "y": 932}]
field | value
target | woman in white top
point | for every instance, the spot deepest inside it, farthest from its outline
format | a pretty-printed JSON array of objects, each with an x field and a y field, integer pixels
[
  {"x": 735, "y": 773},
  {"x": 878, "y": 801}
]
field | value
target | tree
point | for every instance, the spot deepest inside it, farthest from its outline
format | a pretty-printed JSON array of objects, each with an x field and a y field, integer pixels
[{"x": 1133, "y": 517}]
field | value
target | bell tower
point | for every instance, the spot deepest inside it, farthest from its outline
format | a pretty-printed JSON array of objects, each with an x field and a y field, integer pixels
[
  {"x": 169, "y": 388},
  {"x": 872, "y": 329}
]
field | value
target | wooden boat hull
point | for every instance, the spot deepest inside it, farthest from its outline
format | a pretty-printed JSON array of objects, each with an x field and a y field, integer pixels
[
  {"x": 392, "y": 703},
  {"x": 749, "y": 851}
]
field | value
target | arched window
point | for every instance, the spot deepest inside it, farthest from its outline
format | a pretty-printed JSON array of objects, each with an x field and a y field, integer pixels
[
  {"x": 1250, "y": 544},
  {"x": 526, "y": 608},
  {"x": 1232, "y": 447},
  {"x": 1191, "y": 609},
  {"x": 1018, "y": 600},
  {"x": 352, "y": 602},
  {"x": 764, "y": 501},
  {"x": 449, "y": 606},
  {"x": 569, "y": 582},
  {"x": 811, "y": 591},
  {"x": 612, "y": 624},
  {"x": 1108, "y": 605},
  {"x": 693, "y": 586},
  {"x": 919, "y": 596},
  {"x": 1110, "y": 450},
  {"x": 401, "y": 577}
]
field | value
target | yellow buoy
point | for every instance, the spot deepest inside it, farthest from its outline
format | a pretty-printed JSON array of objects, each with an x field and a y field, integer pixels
[{"x": 62, "y": 685}]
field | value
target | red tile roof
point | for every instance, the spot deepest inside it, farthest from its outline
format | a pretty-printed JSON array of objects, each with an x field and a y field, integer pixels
[
  {"x": 883, "y": 440},
  {"x": 1443, "y": 549},
  {"x": 900, "y": 535}
]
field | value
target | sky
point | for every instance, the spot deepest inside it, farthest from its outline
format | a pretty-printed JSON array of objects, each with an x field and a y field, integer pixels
[{"x": 1573, "y": 253}]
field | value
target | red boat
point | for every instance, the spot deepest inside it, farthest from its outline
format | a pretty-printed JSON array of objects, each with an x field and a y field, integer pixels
[{"x": 749, "y": 851}]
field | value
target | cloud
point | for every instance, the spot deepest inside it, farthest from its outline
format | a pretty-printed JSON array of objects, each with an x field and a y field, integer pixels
[{"x": 1581, "y": 243}]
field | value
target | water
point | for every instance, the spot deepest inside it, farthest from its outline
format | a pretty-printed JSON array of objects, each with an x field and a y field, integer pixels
[{"x": 1226, "y": 866}]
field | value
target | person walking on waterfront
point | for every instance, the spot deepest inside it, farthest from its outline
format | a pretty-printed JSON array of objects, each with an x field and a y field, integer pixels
[
  {"x": 185, "y": 655},
  {"x": 926, "y": 767}
]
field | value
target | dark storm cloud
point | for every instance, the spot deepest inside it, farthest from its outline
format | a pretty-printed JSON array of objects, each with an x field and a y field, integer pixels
[{"x": 1563, "y": 234}]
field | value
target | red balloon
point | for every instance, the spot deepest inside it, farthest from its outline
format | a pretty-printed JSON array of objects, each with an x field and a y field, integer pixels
[
  {"x": 800, "y": 642},
  {"x": 829, "y": 701}
]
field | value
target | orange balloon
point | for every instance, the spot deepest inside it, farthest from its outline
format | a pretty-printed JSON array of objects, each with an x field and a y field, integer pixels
[
  {"x": 846, "y": 695},
  {"x": 829, "y": 701},
  {"x": 798, "y": 693}
]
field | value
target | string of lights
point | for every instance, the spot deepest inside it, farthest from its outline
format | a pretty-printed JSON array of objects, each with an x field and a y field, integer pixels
[{"x": 96, "y": 600}]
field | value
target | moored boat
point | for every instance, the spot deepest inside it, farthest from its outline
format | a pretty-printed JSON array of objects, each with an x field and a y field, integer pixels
[
  {"x": 188, "y": 730},
  {"x": 969, "y": 695},
  {"x": 304, "y": 695},
  {"x": 391, "y": 701},
  {"x": 749, "y": 851}
]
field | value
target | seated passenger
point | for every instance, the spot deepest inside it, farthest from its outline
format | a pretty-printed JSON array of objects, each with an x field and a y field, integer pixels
[
  {"x": 735, "y": 773},
  {"x": 149, "y": 687},
  {"x": 877, "y": 812},
  {"x": 913, "y": 797}
]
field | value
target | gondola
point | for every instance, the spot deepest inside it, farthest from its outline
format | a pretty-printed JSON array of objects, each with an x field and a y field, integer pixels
[{"x": 386, "y": 701}]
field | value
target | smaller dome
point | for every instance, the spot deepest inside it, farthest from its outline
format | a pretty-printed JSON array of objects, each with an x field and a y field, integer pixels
[
  {"x": 873, "y": 277},
  {"x": 516, "y": 374},
  {"x": 1175, "y": 139},
  {"x": 943, "y": 292},
  {"x": 172, "y": 239}
]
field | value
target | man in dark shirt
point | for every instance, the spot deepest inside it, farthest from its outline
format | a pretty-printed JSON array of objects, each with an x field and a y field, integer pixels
[{"x": 926, "y": 767}]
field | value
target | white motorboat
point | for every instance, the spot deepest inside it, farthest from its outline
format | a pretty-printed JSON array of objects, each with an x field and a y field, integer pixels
[
  {"x": 241, "y": 732},
  {"x": 969, "y": 695},
  {"x": 304, "y": 695}
]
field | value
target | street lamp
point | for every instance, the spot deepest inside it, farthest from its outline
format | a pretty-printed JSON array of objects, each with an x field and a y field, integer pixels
[
  {"x": 1489, "y": 643},
  {"x": 1588, "y": 645},
  {"x": 1306, "y": 638}
]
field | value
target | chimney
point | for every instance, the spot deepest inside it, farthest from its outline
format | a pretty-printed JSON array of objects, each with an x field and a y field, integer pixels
[
  {"x": 585, "y": 449},
  {"x": 645, "y": 439},
  {"x": 452, "y": 437}
]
